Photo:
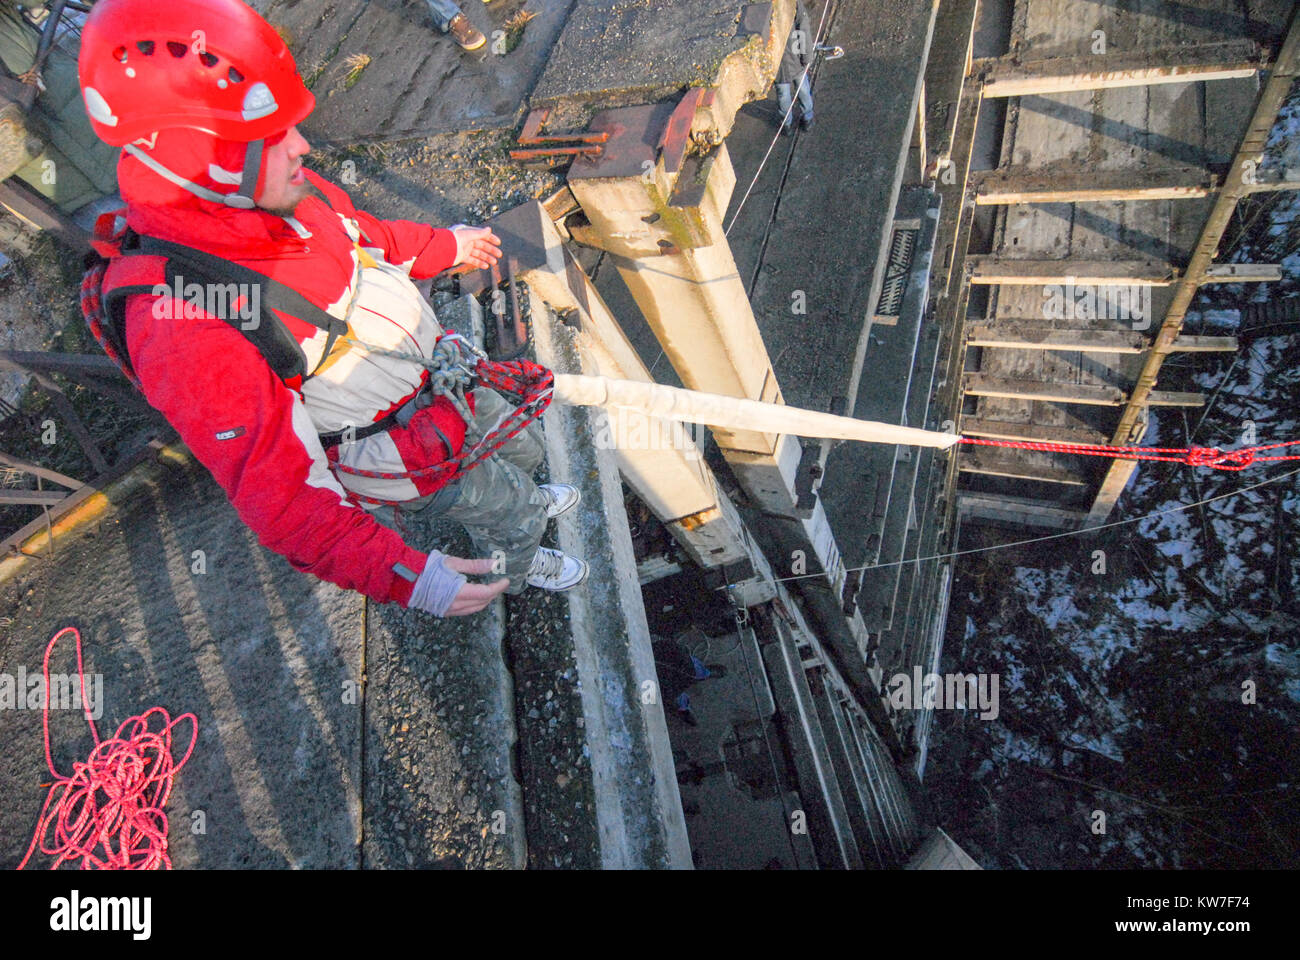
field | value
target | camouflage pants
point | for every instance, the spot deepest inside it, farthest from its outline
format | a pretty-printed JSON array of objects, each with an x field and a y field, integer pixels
[{"x": 497, "y": 502}]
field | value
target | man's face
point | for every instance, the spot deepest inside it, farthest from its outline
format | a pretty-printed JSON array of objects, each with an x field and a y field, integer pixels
[{"x": 284, "y": 185}]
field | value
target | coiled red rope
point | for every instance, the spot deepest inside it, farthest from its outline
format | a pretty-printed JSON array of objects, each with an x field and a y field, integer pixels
[
  {"x": 109, "y": 813},
  {"x": 1192, "y": 456}
]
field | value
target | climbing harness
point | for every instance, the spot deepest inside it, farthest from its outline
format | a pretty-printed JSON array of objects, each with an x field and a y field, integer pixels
[{"x": 456, "y": 366}]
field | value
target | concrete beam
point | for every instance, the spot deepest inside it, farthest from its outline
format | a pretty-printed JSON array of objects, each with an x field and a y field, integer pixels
[
  {"x": 659, "y": 460},
  {"x": 996, "y": 270},
  {"x": 1009, "y": 77},
  {"x": 637, "y": 804},
  {"x": 661, "y": 221},
  {"x": 1028, "y": 185},
  {"x": 676, "y": 262},
  {"x": 659, "y": 48},
  {"x": 819, "y": 788}
]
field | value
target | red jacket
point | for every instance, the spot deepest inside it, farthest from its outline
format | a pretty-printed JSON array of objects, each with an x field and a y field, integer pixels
[{"x": 257, "y": 436}]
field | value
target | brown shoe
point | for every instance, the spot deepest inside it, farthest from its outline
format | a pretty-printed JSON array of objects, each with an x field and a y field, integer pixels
[{"x": 465, "y": 34}]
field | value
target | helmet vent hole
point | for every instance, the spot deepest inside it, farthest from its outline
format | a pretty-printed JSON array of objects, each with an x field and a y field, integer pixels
[
  {"x": 145, "y": 47},
  {"x": 208, "y": 59},
  {"x": 176, "y": 49},
  {"x": 235, "y": 75},
  {"x": 120, "y": 54}
]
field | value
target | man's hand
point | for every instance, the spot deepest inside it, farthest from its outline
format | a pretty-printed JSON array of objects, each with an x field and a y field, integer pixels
[
  {"x": 443, "y": 590},
  {"x": 473, "y": 597},
  {"x": 476, "y": 247}
]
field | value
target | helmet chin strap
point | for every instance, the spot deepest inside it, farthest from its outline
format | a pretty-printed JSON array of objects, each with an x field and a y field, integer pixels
[
  {"x": 252, "y": 167},
  {"x": 241, "y": 199}
]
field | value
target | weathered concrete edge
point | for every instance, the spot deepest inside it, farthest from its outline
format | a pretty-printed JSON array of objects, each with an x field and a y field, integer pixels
[{"x": 638, "y": 805}]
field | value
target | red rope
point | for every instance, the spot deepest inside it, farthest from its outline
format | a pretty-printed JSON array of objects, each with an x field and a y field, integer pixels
[
  {"x": 1192, "y": 456},
  {"x": 118, "y": 794}
]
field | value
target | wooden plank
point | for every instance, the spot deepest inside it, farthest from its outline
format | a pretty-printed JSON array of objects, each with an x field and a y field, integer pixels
[
  {"x": 1085, "y": 185},
  {"x": 1169, "y": 398},
  {"x": 1205, "y": 345},
  {"x": 29, "y": 205},
  {"x": 1009, "y": 77},
  {"x": 1018, "y": 510},
  {"x": 998, "y": 464},
  {"x": 1032, "y": 335},
  {"x": 1018, "y": 336},
  {"x": 1270, "y": 181},
  {"x": 1003, "y": 430},
  {"x": 1271, "y": 97},
  {"x": 1243, "y": 273},
  {"x": 997, "y": 270},
  {"x": 982, "y": 385}
]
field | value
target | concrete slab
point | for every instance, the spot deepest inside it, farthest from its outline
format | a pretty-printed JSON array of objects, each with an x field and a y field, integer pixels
[
  {"x": 641, "y": 51},
  {"x": 440, "y": 789},
  {"x": 836, "y": 199},
  {"x": 262, "y": 654},
  {"x": 416, "y": 81}
]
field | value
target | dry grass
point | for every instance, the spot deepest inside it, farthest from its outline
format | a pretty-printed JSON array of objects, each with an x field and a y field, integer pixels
[
  {"x": 355, "y": 64},
  {"x": 515, "y": 27}
]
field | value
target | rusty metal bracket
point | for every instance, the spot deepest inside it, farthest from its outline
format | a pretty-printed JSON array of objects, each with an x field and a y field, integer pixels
[
  {"x": 554, "y": 148},
  {"x": 676, "y": 137}
]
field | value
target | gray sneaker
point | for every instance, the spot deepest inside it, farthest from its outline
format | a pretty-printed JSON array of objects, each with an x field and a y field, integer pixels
[
  {"x": 553, "y": 570},
  {"x": 560, "y": 498}
]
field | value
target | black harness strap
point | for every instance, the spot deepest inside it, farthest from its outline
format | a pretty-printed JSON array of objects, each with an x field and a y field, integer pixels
[
  {"x": 269, "y": 334},
  {"x": 273, "y": 293}
]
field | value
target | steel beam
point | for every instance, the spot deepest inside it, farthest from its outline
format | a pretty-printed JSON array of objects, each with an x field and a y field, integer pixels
[{"x": 33, "y": 498}]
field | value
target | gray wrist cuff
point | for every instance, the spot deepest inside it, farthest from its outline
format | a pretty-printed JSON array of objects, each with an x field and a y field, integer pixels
[{"x": 437, "y": 586}]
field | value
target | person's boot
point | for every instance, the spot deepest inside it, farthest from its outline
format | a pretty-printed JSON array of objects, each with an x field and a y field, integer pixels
[
  {"x": 464, "y": 33},
  {"x": 806, "y": 121},
  {"x": 553, "y": 570},
  {"x": 560, "y": 498}
]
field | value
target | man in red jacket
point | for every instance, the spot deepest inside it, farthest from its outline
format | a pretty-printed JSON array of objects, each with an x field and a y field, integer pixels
[{"x": 204, "y": 98}]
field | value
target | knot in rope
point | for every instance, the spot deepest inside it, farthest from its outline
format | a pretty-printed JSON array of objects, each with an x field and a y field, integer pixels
[{"x": 1214, "y": 457}]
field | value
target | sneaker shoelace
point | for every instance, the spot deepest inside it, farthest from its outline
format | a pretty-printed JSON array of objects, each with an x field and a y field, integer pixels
[{"x": 547, "y": 564}]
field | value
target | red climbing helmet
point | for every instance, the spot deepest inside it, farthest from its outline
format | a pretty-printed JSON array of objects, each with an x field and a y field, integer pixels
[{"x": 212, "y": 65}]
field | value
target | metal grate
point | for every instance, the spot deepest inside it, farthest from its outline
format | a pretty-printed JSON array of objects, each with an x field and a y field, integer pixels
[{"x": 902, "y": 249}]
